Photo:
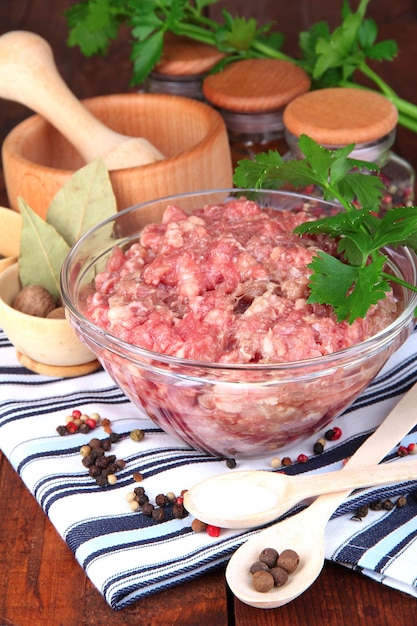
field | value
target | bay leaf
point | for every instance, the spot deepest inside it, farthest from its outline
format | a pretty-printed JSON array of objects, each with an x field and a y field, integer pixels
[
  {"x": 84, "y": 201},
  {"x": 42, "y": 251}
]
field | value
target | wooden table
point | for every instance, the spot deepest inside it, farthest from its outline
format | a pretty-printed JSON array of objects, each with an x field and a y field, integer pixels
[{"x": 42, "y": 584}]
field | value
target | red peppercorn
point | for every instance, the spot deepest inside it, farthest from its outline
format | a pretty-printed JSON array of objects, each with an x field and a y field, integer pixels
[
  {"x": 302, "y": 458},
  {"x": 337, "y": 433},
  {"x": 212, "y": 531},
  {"x": 179, "y": 500},
  {"x": 71, "y": 427},
  {"x": 91, "y": 423},
  {"x": 333, "y": 434},
  {"x": 411, "y": 448},
  {"x": 402, "y": 451},
  {"x": 76, "y": 414}
]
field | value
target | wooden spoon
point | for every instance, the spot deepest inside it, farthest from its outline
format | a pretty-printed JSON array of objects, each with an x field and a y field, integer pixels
[
  {"x": 223, "y": 500},
  {"x": 305, "y": 531},
  {"x": 28, "y": 75}
]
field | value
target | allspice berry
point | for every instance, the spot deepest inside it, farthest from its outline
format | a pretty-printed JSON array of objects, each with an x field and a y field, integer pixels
[
  {"x": 279, "y": 575},
  {"x": 263, "y": 581},
  {"x": 288, "y": 560},
  {"x": 269, "y": 556},
  {"x": 34, "y": 300}
]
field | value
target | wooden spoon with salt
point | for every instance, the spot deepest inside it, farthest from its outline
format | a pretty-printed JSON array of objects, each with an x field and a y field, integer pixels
[{"x": 28, "y": 75}]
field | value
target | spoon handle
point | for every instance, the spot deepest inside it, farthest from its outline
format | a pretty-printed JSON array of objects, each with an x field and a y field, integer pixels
[
  {"x": 395, "y": 426},
  {"x": 353, "y": 477}
]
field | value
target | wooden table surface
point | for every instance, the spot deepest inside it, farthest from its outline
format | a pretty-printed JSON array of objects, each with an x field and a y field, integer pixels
[{"x": 42, "y": 584}]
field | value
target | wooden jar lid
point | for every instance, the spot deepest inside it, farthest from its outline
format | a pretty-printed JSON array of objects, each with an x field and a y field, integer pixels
[
  {"x": 340, "y": 116},
  {"x": 255, "y": 85},
  {"x": 184, "y": 57}
]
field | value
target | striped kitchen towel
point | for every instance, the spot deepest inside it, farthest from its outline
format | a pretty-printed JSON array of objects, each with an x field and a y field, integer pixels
[{"x": 128, "y": 555}]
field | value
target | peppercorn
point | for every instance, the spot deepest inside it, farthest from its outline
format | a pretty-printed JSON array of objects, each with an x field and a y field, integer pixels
[
  {"x": 257, "y": 566},
  {"x": 158, "y": 515},
  {"x": 61, "y": 430},
  {"x": 387, "y": 504},
  {"x": 137, "y": 477},
  {"x": 105, "y": 444},
  {"x": 84, "y": 428},
  {"x": 269, "y": 556},
  {"x": 147, "y": 508},
  {"x": 263, "y": 581},
  {"x": 276, "y": 462},
  {"x": 85, "y": 450},
  {"x": 362, "y": 511},
  {"x": 402, "y": 451},
  {"x": 102, "y": 481},
  {"x": 231, "y": 463},
  {"x": 198, "y": 526},
  {"x": 318, "y": 448},
  {"x": 212, "y": 531},
  {"x": 137, "y": 434},
  {"x": 288, "y": 560},
  {"x": 114, "y": 437},
  {"x": 280, "y": 576},
  {"x": 178, "y": 511},
  {"x": 402, "y": 501},
  {"x": 94, "y": 443},
  {"x": 161, "y": 499},
  {"x": 171, "y": 496},
  {"x": 286, "y": 461},
  {"x": 376, "y": 505},
  {"x": 112, "y": 479},
  {"x": 142, "y": 498},
  {"x": 302, "y": 458},
  {"x": 139, "y": 491}
]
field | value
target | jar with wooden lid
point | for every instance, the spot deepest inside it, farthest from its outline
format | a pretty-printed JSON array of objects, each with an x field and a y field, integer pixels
[
  {"x": 183, "y": 65},
  {"x": 251, "y": 96},
  {"x": 339, "y": 116}
]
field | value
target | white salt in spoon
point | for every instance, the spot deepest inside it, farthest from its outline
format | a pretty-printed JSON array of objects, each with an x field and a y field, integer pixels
[
  {"x": 28, "y": 75},
  {"x": 305, "y": 531},
  {"x": 253, "y": 498}
]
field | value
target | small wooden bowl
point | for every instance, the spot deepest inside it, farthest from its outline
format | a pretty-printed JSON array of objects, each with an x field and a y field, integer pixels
[
  {"x": 46, "y": 346},
  {"x": 38, "y": 160},
  {"x": 10, "y": 228}
]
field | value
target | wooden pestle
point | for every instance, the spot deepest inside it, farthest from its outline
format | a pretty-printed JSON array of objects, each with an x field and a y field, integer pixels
[{"x": 28, "y": 75}]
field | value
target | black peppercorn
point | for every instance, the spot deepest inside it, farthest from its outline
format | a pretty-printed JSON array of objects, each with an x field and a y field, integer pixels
[
  {"x": 231, "y": 463},
  {"x": 161, "y": 499},
  {"x": 158, "y": 515},
  {"x": 387, "y": 504}
]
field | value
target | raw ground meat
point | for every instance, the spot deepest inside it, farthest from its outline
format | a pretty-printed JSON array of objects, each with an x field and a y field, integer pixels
[{"x": 227, "y": 284}]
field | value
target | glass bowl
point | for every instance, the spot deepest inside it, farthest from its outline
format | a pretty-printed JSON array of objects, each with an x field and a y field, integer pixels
[{"x": 228, "y": 409}]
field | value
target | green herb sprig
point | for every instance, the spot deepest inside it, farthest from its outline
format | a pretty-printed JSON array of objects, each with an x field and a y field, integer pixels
[
  {"x": 330, "y": 58},
  {"x": 358, "y": 279}
]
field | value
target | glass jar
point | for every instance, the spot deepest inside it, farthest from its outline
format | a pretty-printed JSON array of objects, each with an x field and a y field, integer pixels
[
  {"x": 182, "y": 67},
  {"x": 337, "y": 117},
  {"x": 251, "y": 96}
]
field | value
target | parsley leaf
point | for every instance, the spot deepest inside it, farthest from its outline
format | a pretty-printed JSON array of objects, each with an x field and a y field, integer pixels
[
  {"x": 356, "y": 280},
  {"x": 354, "y": 290}
]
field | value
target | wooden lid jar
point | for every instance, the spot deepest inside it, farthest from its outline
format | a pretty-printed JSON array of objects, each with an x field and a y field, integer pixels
[
  {"x": 340, "y": 116},
  {"x": 183, "y": 65},
  {"x": 251, "y": 96}
]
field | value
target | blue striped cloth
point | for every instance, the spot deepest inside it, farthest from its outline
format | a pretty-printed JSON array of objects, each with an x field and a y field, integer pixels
[{"x": 127, "y": 555}]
